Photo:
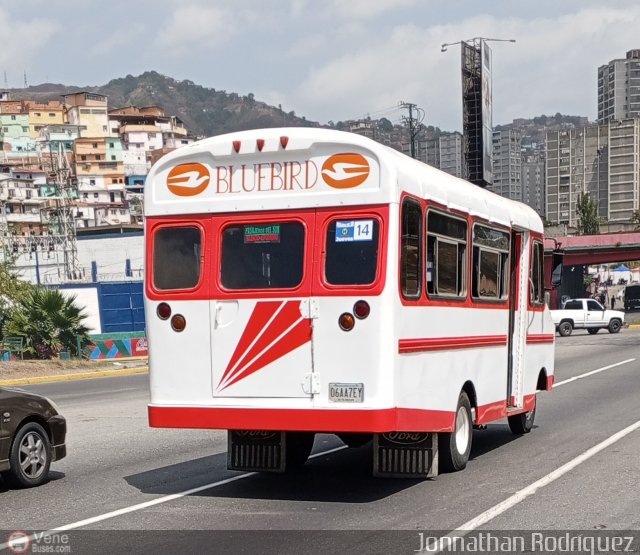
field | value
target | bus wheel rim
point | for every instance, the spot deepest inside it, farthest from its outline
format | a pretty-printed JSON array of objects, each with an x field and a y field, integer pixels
[{"x": 462, "y": 430}]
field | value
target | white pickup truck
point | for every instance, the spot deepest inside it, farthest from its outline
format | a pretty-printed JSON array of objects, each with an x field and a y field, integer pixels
[{"x": 586, "y": 314}]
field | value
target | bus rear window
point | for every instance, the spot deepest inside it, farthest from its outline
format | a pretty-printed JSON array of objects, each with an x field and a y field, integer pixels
[
  {"x": 262, "y": 256},
  {"x": 352, "y": 252},
  {"x": 176, "y": 258}
]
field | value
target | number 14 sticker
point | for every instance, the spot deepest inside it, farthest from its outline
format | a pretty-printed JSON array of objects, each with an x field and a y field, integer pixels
[{"x": 355, "y": 230}]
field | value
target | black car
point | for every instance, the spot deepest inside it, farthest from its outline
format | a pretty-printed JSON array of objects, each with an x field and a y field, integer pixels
[
  {"x": 632, "y": 297},
  {"x": 32, "y": 435}
]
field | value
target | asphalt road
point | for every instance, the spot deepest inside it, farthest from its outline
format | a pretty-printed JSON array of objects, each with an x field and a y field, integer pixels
[{"x": 116, "y": 462}]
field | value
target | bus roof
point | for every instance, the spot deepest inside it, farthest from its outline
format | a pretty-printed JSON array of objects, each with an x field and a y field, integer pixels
[{"x": 284, "y": 168}]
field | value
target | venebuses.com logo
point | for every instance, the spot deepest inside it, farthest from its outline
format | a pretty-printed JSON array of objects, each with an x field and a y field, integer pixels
[{"x": 20, "y": 542}]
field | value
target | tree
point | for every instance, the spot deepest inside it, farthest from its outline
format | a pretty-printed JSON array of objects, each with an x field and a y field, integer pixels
[
  {"x": 588, "y": 219},
  {"x": 635, "y": 219},
  {"x": 49, "y": 322},
  {"x": 385, "y": 125},
  {"x": 12, "y": 290}
]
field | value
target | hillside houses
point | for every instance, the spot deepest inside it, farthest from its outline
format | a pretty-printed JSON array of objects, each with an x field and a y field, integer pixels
[{"x": 106, "y": 155}]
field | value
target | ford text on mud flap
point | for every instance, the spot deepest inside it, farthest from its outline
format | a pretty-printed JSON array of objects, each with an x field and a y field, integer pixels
[{"x": 303, "y": 281}]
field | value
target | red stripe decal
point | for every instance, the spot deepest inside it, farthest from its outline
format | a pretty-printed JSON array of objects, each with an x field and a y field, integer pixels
[
  {"x": 450, "y": 343},
  {"x": 540, "y": 338},
  {"x": 298, "y": 336},
  {"x": 270, "y": 343},
  {"x": 309, "y": 420},
  {"x": 262, "y": 313}
]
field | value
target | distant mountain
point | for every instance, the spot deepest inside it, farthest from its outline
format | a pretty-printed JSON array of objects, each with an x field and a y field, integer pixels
[{"x": 204, "y": 111}]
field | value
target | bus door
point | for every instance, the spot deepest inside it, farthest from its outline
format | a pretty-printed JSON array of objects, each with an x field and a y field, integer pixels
[
  {"x": 260, "y": 327},
  {"x": 518, "y": 284},
  {"x": 348, "y": 331}
]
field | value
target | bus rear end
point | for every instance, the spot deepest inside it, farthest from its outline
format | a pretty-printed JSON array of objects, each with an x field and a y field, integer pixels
[{"x": 269, "y": 294}]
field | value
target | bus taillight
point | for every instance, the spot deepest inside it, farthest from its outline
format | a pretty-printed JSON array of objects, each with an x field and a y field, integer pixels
[
  {"x": 163, "y": 311},
  {"x": 361, "y": 309},
  {"x": 178, "y": 322},
  {"x": 346, "y": 321}
]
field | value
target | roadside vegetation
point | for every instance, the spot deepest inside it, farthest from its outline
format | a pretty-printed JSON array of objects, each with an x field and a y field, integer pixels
[{"x": 47, "y": 321}]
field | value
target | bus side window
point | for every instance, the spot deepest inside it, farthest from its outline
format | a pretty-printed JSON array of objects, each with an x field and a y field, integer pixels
[
  {"x": 490, "y": 279},
  {"x": 410, "y": 250},
  {"x": 446, "y": 255},
  {"x": 536, "y": 290}
]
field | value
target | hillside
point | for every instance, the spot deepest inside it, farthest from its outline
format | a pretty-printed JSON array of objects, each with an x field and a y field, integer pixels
[{"x": 204, "y": 111}]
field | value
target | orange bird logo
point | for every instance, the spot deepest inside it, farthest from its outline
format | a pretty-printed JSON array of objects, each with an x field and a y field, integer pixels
[
  {"x": 188, "y": 180},
  {"x": 345, "y": 171}
]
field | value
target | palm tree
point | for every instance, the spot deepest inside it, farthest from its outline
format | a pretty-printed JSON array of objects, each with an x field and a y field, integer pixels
[{"x": 49, "y": 323}]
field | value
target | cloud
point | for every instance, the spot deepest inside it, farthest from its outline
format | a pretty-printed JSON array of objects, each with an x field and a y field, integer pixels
[
  {"x": 195, "y": 26},
  {"x": 367, "y": 9},
  {"x": 552, "y": 67},
  {"x": 30, "y": 37},
  {"x": 113, "y": 43}
]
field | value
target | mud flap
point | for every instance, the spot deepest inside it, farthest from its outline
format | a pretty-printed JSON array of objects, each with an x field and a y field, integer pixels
[
  {"x": 256, "y": 450},
  {"x": 405, "y": 455}
]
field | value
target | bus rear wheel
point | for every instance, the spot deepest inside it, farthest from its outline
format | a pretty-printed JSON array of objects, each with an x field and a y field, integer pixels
[
  {"x": 522, "y": 423},
  {"x": 455, "y": 447}
]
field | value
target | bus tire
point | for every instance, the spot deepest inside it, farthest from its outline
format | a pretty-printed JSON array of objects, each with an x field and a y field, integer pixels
[
  {"x": 565, "y": 328},
  {"x": 455, "y": 447},
  {"x": 593, "y": 331},
  {"x": 298, "y": 449},
  {"x": 615, "y": 325},
  {"x": 522, "y": 423}
]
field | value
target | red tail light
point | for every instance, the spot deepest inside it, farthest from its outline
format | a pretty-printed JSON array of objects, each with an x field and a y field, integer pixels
[
  {"x": 361, "y": 309},
  {"x": 163, "y": 311}
]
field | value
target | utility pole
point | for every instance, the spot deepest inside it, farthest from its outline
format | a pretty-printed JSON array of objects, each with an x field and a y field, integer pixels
[{"x": 413, "y": 123}]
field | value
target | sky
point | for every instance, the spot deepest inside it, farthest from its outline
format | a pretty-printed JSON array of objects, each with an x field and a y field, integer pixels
[{"x": 329, "y": 60}]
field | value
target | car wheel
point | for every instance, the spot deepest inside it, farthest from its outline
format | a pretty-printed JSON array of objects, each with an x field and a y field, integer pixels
[
  {"x": 593, "y": 331},
  {"x": 614, "y": 326},
  {"x": 29, "y": 457},
  {"x": 522, "y": 423},
  {"x": 455, "y": 446},
  {"x": 565, "y": 329}
]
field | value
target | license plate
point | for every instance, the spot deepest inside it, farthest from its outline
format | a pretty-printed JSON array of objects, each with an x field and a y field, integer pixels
[{"x": 346, "y": 392}]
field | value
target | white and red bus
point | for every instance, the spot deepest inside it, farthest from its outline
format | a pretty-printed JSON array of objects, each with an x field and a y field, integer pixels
[{"x": 303, "y": 281}]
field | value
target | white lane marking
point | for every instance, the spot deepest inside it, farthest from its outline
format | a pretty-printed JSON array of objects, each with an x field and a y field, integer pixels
[
  {"x": 596, "y": 371},
  {"x": 157, "y": 501},
  {"x": 521, "y": 495}
]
